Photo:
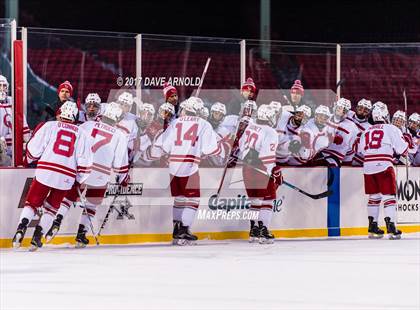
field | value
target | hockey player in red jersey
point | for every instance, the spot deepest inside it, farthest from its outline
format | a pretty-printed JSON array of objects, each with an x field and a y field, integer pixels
[
  {"x": 378, "y": 145},
  {"x": 186, "y": 141},
  {"x": 63, "y": 157},
  {"x": 109, "y": 148},
  {"x": 257, "y": 149}
]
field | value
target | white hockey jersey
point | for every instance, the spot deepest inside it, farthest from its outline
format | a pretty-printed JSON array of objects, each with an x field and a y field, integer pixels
[
  {"x": 186, "y": 140},
  {"x": 378, "y": 145},
  {"x": 63, "y": 153},
  {"x": 313, "y": 140},
  {"x": 286, "y": 131},
  {"x": 109, "y": 148},
  {"x": 345, "y": 136},
  {"x": 228, "y": 126},
  {"x": 263, "y": 139},
  {"x": 141, "y": 145},
  {"x": 6, "y": 125},
  {"x": 356, "y": 158},
  {"x": 129, "y": 127}
]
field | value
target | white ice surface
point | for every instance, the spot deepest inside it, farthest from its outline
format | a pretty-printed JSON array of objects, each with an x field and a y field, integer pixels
[{"x": 354, "y": 273}]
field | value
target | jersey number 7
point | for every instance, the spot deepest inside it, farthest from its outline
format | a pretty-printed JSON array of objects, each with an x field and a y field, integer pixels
[{"x": 107, "y": 138}]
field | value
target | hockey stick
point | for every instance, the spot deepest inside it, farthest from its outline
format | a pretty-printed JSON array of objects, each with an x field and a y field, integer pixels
[
  {"x": 406, "y": 130},
  {"x": 338, "y": 85},
  {"x": 110, "y": 208},
  {"x": 203, "y": 76},
  {"x": 83, "y": 201},
  {"x": 313, "y": 196}
]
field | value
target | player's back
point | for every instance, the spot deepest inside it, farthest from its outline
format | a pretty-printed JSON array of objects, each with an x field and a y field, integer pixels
[
  {"x": 261, "y": 139},
  {"x": 378, "y": 145},
  {"x": 187, "y": 139},
  {"x": 58, "y": 147},
  {"x": 106, "y": 142}
]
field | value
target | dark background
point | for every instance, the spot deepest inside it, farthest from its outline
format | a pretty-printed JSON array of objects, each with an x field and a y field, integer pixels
[{"x": 319, "y": 21}]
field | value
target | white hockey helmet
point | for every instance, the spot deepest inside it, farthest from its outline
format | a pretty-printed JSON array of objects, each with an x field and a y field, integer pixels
[
  {"x": 365, "y": 103},
  {"x": 343, "y": 103},
  {"x": 218, "y": 107},
  {"x": 415, "y": 117},
  {"x": 193, "y": 105},
  {"x": 248, "y": 108},
  {"x": 399, "y": 118},
  {"x": 305, "y": 109},
  {"x": 276, "y": 106},
  {"x": 380, "y": 104},
  {"x": 126, "y": 98},
  {"x": 266, "y": 113},
  {"x": 341, "y": 107},
  {"x": 69, "y": 111},
  {"x": 93, "y": 98},
  {"x": 147, "y": 107},
  {"x": 166, "y": 110},
  {"x": 4, "y": 87},
  {"x": 380, "y": 112},
  {"x": 204, "y": 113},
  {"x": 399, "y": 114},
  {"x": 323, "y": 109},
  {"x": 113, "y": 111}
]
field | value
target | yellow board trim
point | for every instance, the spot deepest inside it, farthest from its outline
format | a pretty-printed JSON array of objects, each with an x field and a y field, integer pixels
[{"x": 144, "y": 238}]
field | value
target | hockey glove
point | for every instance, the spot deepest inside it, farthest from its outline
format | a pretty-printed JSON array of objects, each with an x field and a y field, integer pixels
[
  {"x": 294, "y": 146},
  {"x": 277, "y": 175}
]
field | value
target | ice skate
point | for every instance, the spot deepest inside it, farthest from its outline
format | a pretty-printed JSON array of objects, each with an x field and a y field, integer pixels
[
  {"x": 266, "y": 237},
  {"x": 392, "y": 231},
  {"x": 36, "y": 241},
  {"x": 175, "y": 231},
  {"x": 374, "y": 231},
  {"x": 254, "y": 233},
  {"x": 81, "y": 240},
  {"x": 20, "y": 233},
  {"x": 52, "y": 232},
  {"x": 184, "y": 236}
]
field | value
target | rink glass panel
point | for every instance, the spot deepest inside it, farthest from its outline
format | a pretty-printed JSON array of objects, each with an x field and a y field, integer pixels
[
  {"x": 5, "y": 50},
  {"x": 181, "y": 60},
  {"x": 92, "y": 62},
  {"x": 275, "y": 65},
  {"x": 380, "y": 72}
]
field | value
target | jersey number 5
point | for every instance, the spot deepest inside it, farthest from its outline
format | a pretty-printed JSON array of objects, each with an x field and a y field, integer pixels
[
  {"x": 373, "y": 139},
  {"x": 190, "y": 134}
]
